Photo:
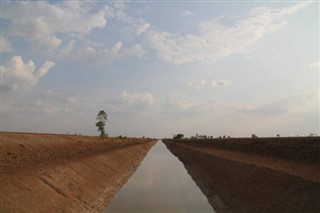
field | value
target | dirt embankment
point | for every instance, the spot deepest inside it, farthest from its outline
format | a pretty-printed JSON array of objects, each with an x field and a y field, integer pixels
[
  {"x": 64, "y": 173},
  {"x": 241, "y": 175}
]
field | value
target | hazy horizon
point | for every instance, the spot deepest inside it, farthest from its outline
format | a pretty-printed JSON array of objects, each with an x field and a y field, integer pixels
[{"x": 160, "y": 68}]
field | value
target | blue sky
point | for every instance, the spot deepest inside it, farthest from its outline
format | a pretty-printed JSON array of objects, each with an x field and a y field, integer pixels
[{"x": 160, "y": 67}]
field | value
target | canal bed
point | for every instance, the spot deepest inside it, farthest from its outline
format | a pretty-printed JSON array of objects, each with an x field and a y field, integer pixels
[{"x": 160, "y": 184}]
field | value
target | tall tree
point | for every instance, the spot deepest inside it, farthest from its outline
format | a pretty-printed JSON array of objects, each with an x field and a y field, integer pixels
[{"x": 102, "y": 118}]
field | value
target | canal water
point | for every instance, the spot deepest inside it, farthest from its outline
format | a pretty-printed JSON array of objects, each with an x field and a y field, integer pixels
[{"x": 160, "y": 184}]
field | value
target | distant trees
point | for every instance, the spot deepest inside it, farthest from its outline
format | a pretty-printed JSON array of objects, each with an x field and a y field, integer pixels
[
  {"x": 102, "y": 118},
  {"x": 254, "y": 136},
  {"x": 178, "y": 136}
]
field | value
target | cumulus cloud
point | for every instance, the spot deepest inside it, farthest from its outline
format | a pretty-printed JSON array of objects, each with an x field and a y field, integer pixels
[
  {"x": 57, "y": 28},
  {"x": 41, "y": 22},
  {"x": 214, "y": 41},
  {"x": 5, "y": 45},
  {"x": 20, "y": 75}
]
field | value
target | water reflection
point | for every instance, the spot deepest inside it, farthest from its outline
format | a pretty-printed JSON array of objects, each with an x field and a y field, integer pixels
[{"x": 160, "y": 184}]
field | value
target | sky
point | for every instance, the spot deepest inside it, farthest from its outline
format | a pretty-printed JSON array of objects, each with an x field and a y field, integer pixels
[{"x": 159, "y": 68}]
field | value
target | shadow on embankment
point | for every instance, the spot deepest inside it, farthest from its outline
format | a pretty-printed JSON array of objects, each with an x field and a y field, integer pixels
[{"x": 232, "y": 186}]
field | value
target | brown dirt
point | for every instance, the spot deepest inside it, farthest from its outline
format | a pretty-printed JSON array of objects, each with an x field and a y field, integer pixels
[
  {"x": 238, "y": 178},
  {"x": 64, "y": 173}
]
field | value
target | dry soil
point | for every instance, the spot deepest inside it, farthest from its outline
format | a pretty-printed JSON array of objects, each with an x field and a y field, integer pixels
[
  {"x": 64, "y": 173},
  {"x": 254, "y": 175}
]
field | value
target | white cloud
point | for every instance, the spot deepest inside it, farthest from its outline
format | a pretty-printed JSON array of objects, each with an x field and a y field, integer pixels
[
  {"x": 18, "y": 75},
  {"x": 48, "y": 108},
  {"x": 201, "y": 84},
  {"x": 51, "y": 102},
  {"x": 45, "y": 102},
  {"x": 285, "y": 104},
  {"x": 5, "y": 45},
  {"x": 49, "y": 25},
  {"x": 141, "y": 27},
  {"x": 91, "y": 55},
  {"x": 137, "y": 98},
  {"x": 179, "y": 112},
  {"x": 67, "y": 50},
  {"x": 135, "y": 26},
  {"x": 315, "y": 65},
  {"x": 214, "y": 40},
  {"x": 220, "y": 83},
  {"x": 135, "y": 103},
  {"x": 40, "y": 22},
  {"x": 106, "y": 55},
  {"x": 198, "y": 84},
  {"x": 186, "y": 13},
  {"x": 181, "y": 102},
  {"x": 136, "y": 50}
]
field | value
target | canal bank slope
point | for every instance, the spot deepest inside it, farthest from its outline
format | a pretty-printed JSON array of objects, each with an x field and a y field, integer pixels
[
  {"x": 64, "y": 173},
  {"x": 254, "y": 175}
]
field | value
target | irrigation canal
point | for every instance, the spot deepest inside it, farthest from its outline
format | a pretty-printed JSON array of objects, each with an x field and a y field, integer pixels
[{"x": 160, "y": 184}]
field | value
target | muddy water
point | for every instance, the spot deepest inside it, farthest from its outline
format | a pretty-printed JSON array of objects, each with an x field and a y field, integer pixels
[{"x": 160, "y": 184}]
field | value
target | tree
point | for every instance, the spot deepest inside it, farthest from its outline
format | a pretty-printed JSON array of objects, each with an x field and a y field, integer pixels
[
  {"x": 102, "y": 118},
  {"x": 254, "y": 136},
  {"x": 178, "y": 136}
]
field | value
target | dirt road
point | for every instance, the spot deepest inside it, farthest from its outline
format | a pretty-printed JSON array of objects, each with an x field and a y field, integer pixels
[{"x": 64, "y": 173}]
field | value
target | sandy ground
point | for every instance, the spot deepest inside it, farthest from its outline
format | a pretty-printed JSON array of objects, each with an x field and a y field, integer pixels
[
  {"x": 64, "y": 173},
  {"x": 237, "y": 177}
]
